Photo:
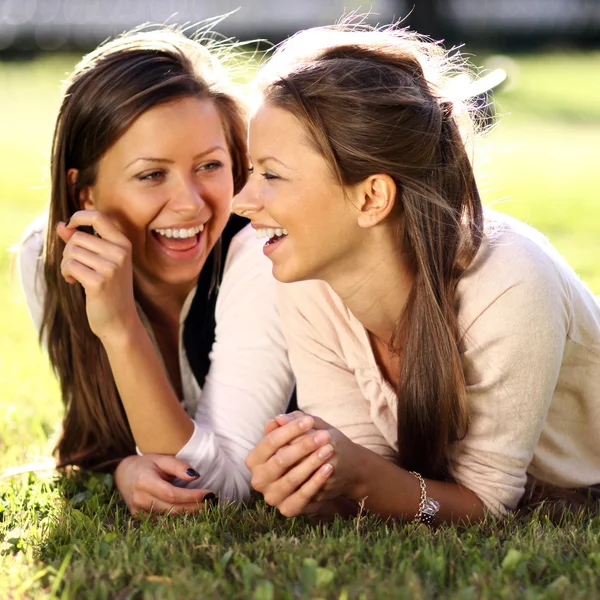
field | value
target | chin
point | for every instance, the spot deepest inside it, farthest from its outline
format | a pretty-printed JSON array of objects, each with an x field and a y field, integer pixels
[{"x": 290, "y": 275}]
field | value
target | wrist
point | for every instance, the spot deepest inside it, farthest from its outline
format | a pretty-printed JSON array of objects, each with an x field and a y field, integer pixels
[
  {"x": 359, "y": 486},
  {"x": 126, "y": 334}
]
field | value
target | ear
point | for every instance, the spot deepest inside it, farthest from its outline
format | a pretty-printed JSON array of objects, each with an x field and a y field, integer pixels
[
  {"x": 85, "y": 200},
  {"x": 375, "y": 197}
]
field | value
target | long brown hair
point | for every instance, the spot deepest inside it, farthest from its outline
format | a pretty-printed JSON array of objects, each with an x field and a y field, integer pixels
[
  {"x": 372, "y": 103},
  {"x": 108, "y": 90}
]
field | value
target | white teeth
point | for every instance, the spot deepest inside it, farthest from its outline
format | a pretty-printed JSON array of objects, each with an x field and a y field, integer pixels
[
  {"x": 181, "y": 233},
  {"x": 270, "y": 232}
]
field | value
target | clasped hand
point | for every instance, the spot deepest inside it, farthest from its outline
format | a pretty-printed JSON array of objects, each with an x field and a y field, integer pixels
[
  {"x": 103, "y": 266},
  {"x": 302, "y": 464}
]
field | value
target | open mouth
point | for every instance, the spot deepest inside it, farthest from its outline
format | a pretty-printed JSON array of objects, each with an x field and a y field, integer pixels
[
  {"x": 273, "y": 235},
  {"x": 178, "y": 239}
]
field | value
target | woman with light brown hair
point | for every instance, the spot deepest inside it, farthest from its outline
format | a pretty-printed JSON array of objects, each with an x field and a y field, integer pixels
[
  {"x": 156, "y": 306},
  {"x": 444, "y": 354}
]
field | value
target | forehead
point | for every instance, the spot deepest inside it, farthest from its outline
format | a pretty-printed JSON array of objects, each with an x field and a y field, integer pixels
[
  {"x": 187, "y": 123},
  {"x": 278, "y": 127}
]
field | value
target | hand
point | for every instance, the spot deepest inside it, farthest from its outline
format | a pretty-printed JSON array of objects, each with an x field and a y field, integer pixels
[
  {"x": 145, "y": 484},
  {"x": 345, "y": 457},
  {"x": 102, "y": 265},
  {"x": 289, "y": 465}
]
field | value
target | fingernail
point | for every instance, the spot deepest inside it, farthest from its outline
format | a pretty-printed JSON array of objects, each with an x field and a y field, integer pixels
[
  {"x": 284, "y": 417},
  {"x": 325, "y": 452},
  {"x": 211, "y": 499},
  {"x": 192, "y": 472},
  {"x": 326, "y": 469},
  {"x": 305, "y": 422},
  {"x": 67, "y": 222},
  {"x": 321, "y": 437}
]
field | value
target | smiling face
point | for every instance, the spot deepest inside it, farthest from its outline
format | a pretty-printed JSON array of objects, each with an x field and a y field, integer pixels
[
  {"x": 293, "y": 188},
  {"x": 167, "y": 184}
]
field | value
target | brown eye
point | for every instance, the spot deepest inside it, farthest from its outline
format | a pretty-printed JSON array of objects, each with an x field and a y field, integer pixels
[
  {"x": 152, "y": 176},
  {"x": 211, "y": 166}
]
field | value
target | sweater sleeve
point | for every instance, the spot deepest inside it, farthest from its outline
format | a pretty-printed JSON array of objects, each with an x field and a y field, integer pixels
[
  {"x": 30, "y": 269},
  {"x": 512, "y": 354},
  {"x": 249, "y": 381}
]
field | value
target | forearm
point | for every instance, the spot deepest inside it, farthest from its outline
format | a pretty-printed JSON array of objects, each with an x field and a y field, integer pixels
[
  {"x": 158, "y": 421},
  {"x": 391, "y": 491}
]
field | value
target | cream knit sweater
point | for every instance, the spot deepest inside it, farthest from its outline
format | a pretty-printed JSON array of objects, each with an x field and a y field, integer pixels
[{"x": 531, "y": 356}]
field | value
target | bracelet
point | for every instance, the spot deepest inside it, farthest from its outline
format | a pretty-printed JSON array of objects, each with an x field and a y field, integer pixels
[{"x": 428, "y": 507}]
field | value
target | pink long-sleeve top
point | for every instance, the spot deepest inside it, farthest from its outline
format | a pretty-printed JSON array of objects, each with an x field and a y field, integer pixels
[{"x": 530, "y": 351}]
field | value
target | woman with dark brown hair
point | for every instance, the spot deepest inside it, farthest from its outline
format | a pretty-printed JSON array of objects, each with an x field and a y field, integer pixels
[
  {"x": 443, "y": 353},
  {"x": 154, "y": 303}
]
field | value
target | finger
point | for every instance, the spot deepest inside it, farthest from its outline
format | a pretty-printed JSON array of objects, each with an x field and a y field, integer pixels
[
  {"x": 272, "y": 442},
  {"x": 97, "y": 262},
  {"x": 297, "y": 476},
  {"x": 285, "y": 418},
  {"x": 264, "y": 476},
  {"x": 65, "y": 233},
  {"x": 73, "y": 270},
  {"x": 157, "y": 487},
  {"x": 301, "y": 437},
  {"x": 270, "y": 426},
  {"x": 297, "y": 503},
  {"x": 175, "y": 467},
  {"x": 105, "y": 228},
  {"x": 116, "y": 253}
]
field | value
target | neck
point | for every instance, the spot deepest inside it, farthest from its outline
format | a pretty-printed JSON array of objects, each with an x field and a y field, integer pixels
[
  {"x": 162, "y": 303},
  {"x": 376, "y": 287}
]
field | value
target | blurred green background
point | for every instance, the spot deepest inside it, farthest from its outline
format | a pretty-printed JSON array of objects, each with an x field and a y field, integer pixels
[{"x": 541, "y": 164}]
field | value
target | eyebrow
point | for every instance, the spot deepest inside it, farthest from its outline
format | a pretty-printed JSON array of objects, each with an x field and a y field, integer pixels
[
  {"x": 170, "y": 162},
  {"x": 264, "y": 159}
]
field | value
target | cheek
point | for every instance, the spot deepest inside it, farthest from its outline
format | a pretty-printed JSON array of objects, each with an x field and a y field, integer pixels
[
  {"x": 132, "y": 211},
  {"x": 220, "y": 194}
]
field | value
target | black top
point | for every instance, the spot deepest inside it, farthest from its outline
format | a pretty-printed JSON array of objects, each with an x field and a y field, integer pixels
[{"x": 199, "y": 324}]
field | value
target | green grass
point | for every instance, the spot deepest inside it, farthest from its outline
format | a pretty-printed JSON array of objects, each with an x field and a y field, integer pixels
[{"x": 74, "y": 539}]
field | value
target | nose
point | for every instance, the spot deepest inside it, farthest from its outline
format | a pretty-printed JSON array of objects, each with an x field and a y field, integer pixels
[
  {"x": 187, "y": 198},
  {"x": 247, "y": 202}
]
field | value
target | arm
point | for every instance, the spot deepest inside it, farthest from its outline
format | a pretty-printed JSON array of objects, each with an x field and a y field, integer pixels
[
  {"x": 513, "y": 353},
  {"x": 249, "y": 380},
  {"x": 512, "y": 357},
  {"x": 103, "y": 266},
  {"x": 144, "y": 482}
]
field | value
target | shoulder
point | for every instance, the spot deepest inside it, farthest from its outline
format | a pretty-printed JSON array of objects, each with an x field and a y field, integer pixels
[
  {"x": 30, "y": 267},
  {"x": 515, "y": 265},
  {"x": 314, "y": 300},
  {"x": 32, "y": 240},
  {"x": 30, "y": 251}
]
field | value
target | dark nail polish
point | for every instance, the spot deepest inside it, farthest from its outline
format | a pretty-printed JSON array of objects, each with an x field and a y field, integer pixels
[
  {"x": 67, "y": 222},
  {"x": 192, "y": 472},
  {"x": 211, "y": 499}
]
